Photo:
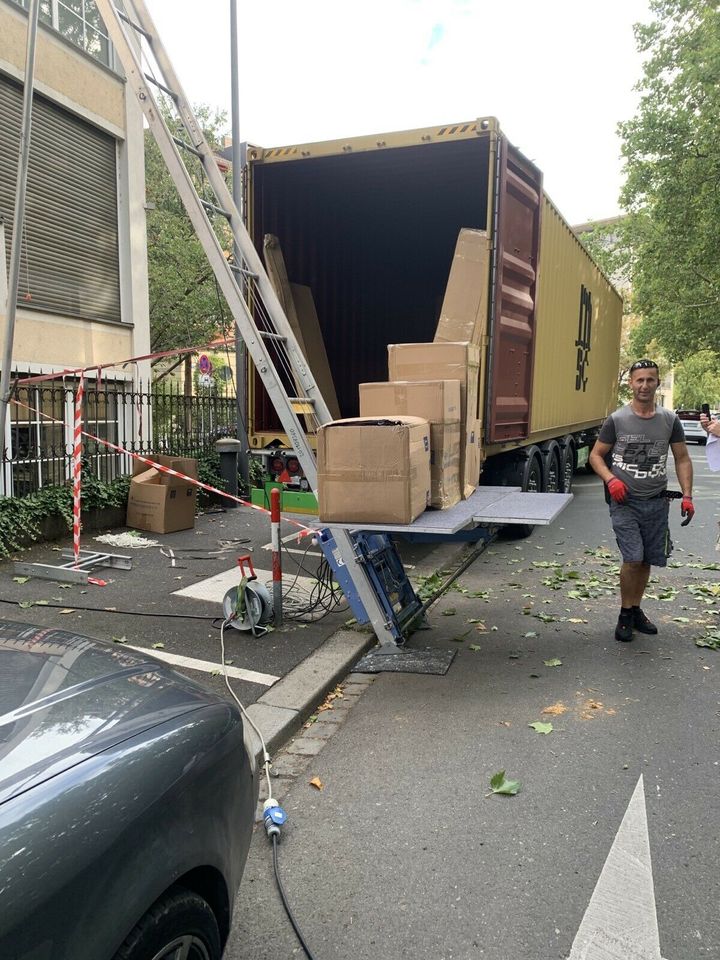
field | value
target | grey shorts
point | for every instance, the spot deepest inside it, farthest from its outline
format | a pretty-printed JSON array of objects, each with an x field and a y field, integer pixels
[{"x": 641, "y": 530}]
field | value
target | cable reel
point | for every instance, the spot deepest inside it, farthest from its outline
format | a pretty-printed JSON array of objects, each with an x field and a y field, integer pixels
[{"x": 249, "y": 605}]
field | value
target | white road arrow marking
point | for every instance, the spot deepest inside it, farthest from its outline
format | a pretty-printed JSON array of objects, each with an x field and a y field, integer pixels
[{"x": 620, "y": 922}]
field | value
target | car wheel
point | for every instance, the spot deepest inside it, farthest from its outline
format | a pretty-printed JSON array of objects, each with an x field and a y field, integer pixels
[{"x": 179, "y": 926}]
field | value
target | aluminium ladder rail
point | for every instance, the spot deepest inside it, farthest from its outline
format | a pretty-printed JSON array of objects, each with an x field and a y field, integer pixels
[{"x": 127, "y": 32}]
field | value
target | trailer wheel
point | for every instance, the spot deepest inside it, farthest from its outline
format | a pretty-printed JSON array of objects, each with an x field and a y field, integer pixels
[
  {"x": 527, "y": 473},
  {"x": 568, "y": 462},
  {"x": 552, "y": 462}
]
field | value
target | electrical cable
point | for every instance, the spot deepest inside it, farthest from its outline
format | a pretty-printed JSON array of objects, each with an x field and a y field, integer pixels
[
  {"x": 283, "y": 897},
  {"x": 274, "y": 830},
  {"x": 127, "y": 613}
]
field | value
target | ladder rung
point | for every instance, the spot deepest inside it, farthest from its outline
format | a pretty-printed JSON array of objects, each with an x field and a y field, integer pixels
[
  {"x": 151, "y": 79},
  {"x": 186, "y": 146},
  {"x": 272, "y": 336},
  {"x": 214, "y": 209},
  {"x": 244, "y": 271},
  {"x": 303, "y": 406},
  {"x": 134, "y": 25}
]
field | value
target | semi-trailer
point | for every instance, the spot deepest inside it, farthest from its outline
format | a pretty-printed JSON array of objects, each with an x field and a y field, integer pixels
[{"x": 371, "y": 224}]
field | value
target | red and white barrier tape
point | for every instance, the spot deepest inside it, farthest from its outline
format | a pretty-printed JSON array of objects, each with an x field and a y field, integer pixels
[
  {"x": 304, "y": 530},
  {"x": 41, "y": 377},
  {"x": 77, "y": 468}
]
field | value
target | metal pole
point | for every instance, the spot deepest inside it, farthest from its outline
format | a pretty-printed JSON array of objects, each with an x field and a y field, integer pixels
[
  {"x": 276, "y": 556},
  {"x": 19, "y": 213},
  {"x": 237, "y": 165}
]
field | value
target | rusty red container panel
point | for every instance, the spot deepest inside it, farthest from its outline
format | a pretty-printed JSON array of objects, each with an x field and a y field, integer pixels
[{"x": 510, "y": 362}]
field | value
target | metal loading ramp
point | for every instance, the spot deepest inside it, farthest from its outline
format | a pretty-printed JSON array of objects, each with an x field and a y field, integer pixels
[{"x": 488, "y": 505}]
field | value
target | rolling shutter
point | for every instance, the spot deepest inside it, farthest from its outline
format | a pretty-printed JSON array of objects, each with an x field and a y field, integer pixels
[{"x": 70, "y": 252}]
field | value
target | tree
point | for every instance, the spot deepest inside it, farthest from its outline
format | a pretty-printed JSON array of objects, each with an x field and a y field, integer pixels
[
  {"x": 672, "y": 153},
  {"x": 697, "y": 381},
  {"x": 186, "y": 306}
]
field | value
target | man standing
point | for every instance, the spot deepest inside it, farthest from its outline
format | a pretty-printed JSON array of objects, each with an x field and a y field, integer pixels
[{"x": 630, "y": 456}]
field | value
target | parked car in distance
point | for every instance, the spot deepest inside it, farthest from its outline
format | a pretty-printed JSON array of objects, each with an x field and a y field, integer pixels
[
  {"x": 690, "y": 420},
  {"x": 127, "y": 803}
]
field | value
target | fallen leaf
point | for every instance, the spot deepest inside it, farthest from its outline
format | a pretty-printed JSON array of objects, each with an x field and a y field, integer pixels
[
  {"x": 21, "y": 579},
  {"x": 119, "y": 639},
  {"x": 555, "y": 709},
  {"x": 474, "y": 646},
  {"x": 317, "y": 783},
  {"x": 499, "y": 784},
  {"x": 24, "y": 604},
  {"x": 67, "y": 610},
  {"x": 504, "y": 723},
  {"x": 42, "y": 603},
  {"x": 450, "y": 612},
  {"x": 530, "y": 633},
  {"x": 158, "y": 646},
  {"x": 540, "y": 727},
  {"x": 554, "y": 662}
]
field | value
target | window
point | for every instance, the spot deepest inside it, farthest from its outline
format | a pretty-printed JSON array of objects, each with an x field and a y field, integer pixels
[
  {"x": 79, "y": 22},
  {"x": 70, "y": 255}
]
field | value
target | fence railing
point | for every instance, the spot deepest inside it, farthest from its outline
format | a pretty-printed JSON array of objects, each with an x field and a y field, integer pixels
[{"x": 37, "y": 451}]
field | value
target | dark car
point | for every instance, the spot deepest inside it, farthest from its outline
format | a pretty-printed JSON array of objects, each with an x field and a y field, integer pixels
[{"x": 127, "y": 802}]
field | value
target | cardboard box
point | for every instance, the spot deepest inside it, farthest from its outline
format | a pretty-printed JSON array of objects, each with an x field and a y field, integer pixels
[
  {"x": 159, "y": 502},
  {"x": 464, "y": 312},
  {"x": 373, "y": 470},
  {"x": 446, "y": 361},
  {"x": 438, "y": 402}
]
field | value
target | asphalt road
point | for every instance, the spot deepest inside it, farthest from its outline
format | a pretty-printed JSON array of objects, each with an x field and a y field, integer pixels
[{"x": 402, "y": 853}]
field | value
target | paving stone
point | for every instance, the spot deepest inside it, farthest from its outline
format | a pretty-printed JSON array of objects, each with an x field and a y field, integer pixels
[
  {"x": 306, "y": 746},
  {"x": 288, "y": 765}
]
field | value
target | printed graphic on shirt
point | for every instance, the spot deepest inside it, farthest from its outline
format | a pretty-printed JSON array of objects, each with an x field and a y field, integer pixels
[{"x": 641, "y": 457}]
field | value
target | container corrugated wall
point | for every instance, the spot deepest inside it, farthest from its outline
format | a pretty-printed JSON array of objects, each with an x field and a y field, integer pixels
[{"x": 577, "y": 334}]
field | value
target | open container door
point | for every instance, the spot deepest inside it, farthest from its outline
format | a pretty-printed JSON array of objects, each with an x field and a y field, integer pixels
[{"x": 516, "y": 230}]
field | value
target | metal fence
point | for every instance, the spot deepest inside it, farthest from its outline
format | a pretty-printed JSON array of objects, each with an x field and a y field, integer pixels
[{"x": 38, "y": 442}]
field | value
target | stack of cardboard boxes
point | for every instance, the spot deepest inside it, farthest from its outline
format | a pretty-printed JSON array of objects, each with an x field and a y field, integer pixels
[{"x": 424, "y": 426}]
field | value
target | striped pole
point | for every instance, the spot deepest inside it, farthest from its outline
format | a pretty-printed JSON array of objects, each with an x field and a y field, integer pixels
[
  {"x": 77, "y": 468},
  {"x": 276, "y": 560}
]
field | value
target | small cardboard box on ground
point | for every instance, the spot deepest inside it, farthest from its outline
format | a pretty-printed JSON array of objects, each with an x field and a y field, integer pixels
[
  {"x": 446, "y": 361},
  {"x": 159, "y": 502},
  {"x": 464, "y": 312},
  {"x": 373, "y": 470},
  {"x": 438, "y": 402}
]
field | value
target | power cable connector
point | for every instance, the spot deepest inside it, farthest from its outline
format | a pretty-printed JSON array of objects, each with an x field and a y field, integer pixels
[{"x": 273, "y": 817}]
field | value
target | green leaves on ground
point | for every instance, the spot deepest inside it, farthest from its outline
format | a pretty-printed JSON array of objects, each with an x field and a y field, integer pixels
[
  {"x": 540, "y": 727},
  {"x": 710, "y": 640},
  {"x": 554, "y": 662},
  {"x": 498, "y": 784}
]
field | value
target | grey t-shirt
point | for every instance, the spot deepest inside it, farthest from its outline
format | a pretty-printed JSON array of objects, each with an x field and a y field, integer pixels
[{"x": 640, "y": 448}]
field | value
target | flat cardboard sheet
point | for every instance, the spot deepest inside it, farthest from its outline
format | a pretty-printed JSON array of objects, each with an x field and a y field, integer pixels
[
  {"x": 313, "y": 345},
  {"x": 464, "y": 312}
]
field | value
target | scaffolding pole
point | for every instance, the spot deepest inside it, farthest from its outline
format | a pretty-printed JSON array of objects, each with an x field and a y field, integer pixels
[{"x": 19, "y": 213}]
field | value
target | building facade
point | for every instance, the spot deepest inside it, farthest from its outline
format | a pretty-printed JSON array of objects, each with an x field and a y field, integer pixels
[{"x": 83, "y": 296}]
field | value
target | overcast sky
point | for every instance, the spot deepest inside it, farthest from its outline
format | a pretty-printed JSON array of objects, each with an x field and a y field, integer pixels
[{"x": 559, "y": 75}]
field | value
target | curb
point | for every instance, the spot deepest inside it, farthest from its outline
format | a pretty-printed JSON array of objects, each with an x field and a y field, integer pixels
[{"x": 283, "y": 709}]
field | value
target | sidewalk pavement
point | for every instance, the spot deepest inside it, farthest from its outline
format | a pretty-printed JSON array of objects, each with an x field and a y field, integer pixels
[{"x": 282, "y": 677}]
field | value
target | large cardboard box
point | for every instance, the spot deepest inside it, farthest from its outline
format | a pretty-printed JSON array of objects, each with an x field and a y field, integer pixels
[
  {"x": 438, "y": 402},
  {"x": 373, "y": 470},
  {"x": 464, "y": 312},
  {"x": 159, "y": 502},
  {"x": 446, "y": 361}
]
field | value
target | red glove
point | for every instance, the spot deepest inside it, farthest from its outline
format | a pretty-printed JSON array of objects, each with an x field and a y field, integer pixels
[
  {"x": 687, "y": 510},
  {"x": 617, "y": 490}
]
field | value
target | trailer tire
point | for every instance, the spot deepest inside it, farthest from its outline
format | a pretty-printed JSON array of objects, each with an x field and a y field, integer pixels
[
  {"x": 526, "y": 472},
  {"x": 552, "y": 465},
  {"x": 568, "y": 464}
]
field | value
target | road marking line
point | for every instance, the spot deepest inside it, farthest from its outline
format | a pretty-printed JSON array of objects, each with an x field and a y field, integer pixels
[
  {"x": 215, "y": 588},
  {"x": 620, "y": 922},
  {"x": 207, "y": 666}
]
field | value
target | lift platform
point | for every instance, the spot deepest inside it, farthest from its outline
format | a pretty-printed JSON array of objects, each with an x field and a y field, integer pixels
[{"x": 476, "y": 520}]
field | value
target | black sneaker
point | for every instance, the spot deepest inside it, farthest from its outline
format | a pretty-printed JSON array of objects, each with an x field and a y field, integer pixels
[
  {"x": 641, "y": 623},
  {"x": 624, "y": 629}
]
